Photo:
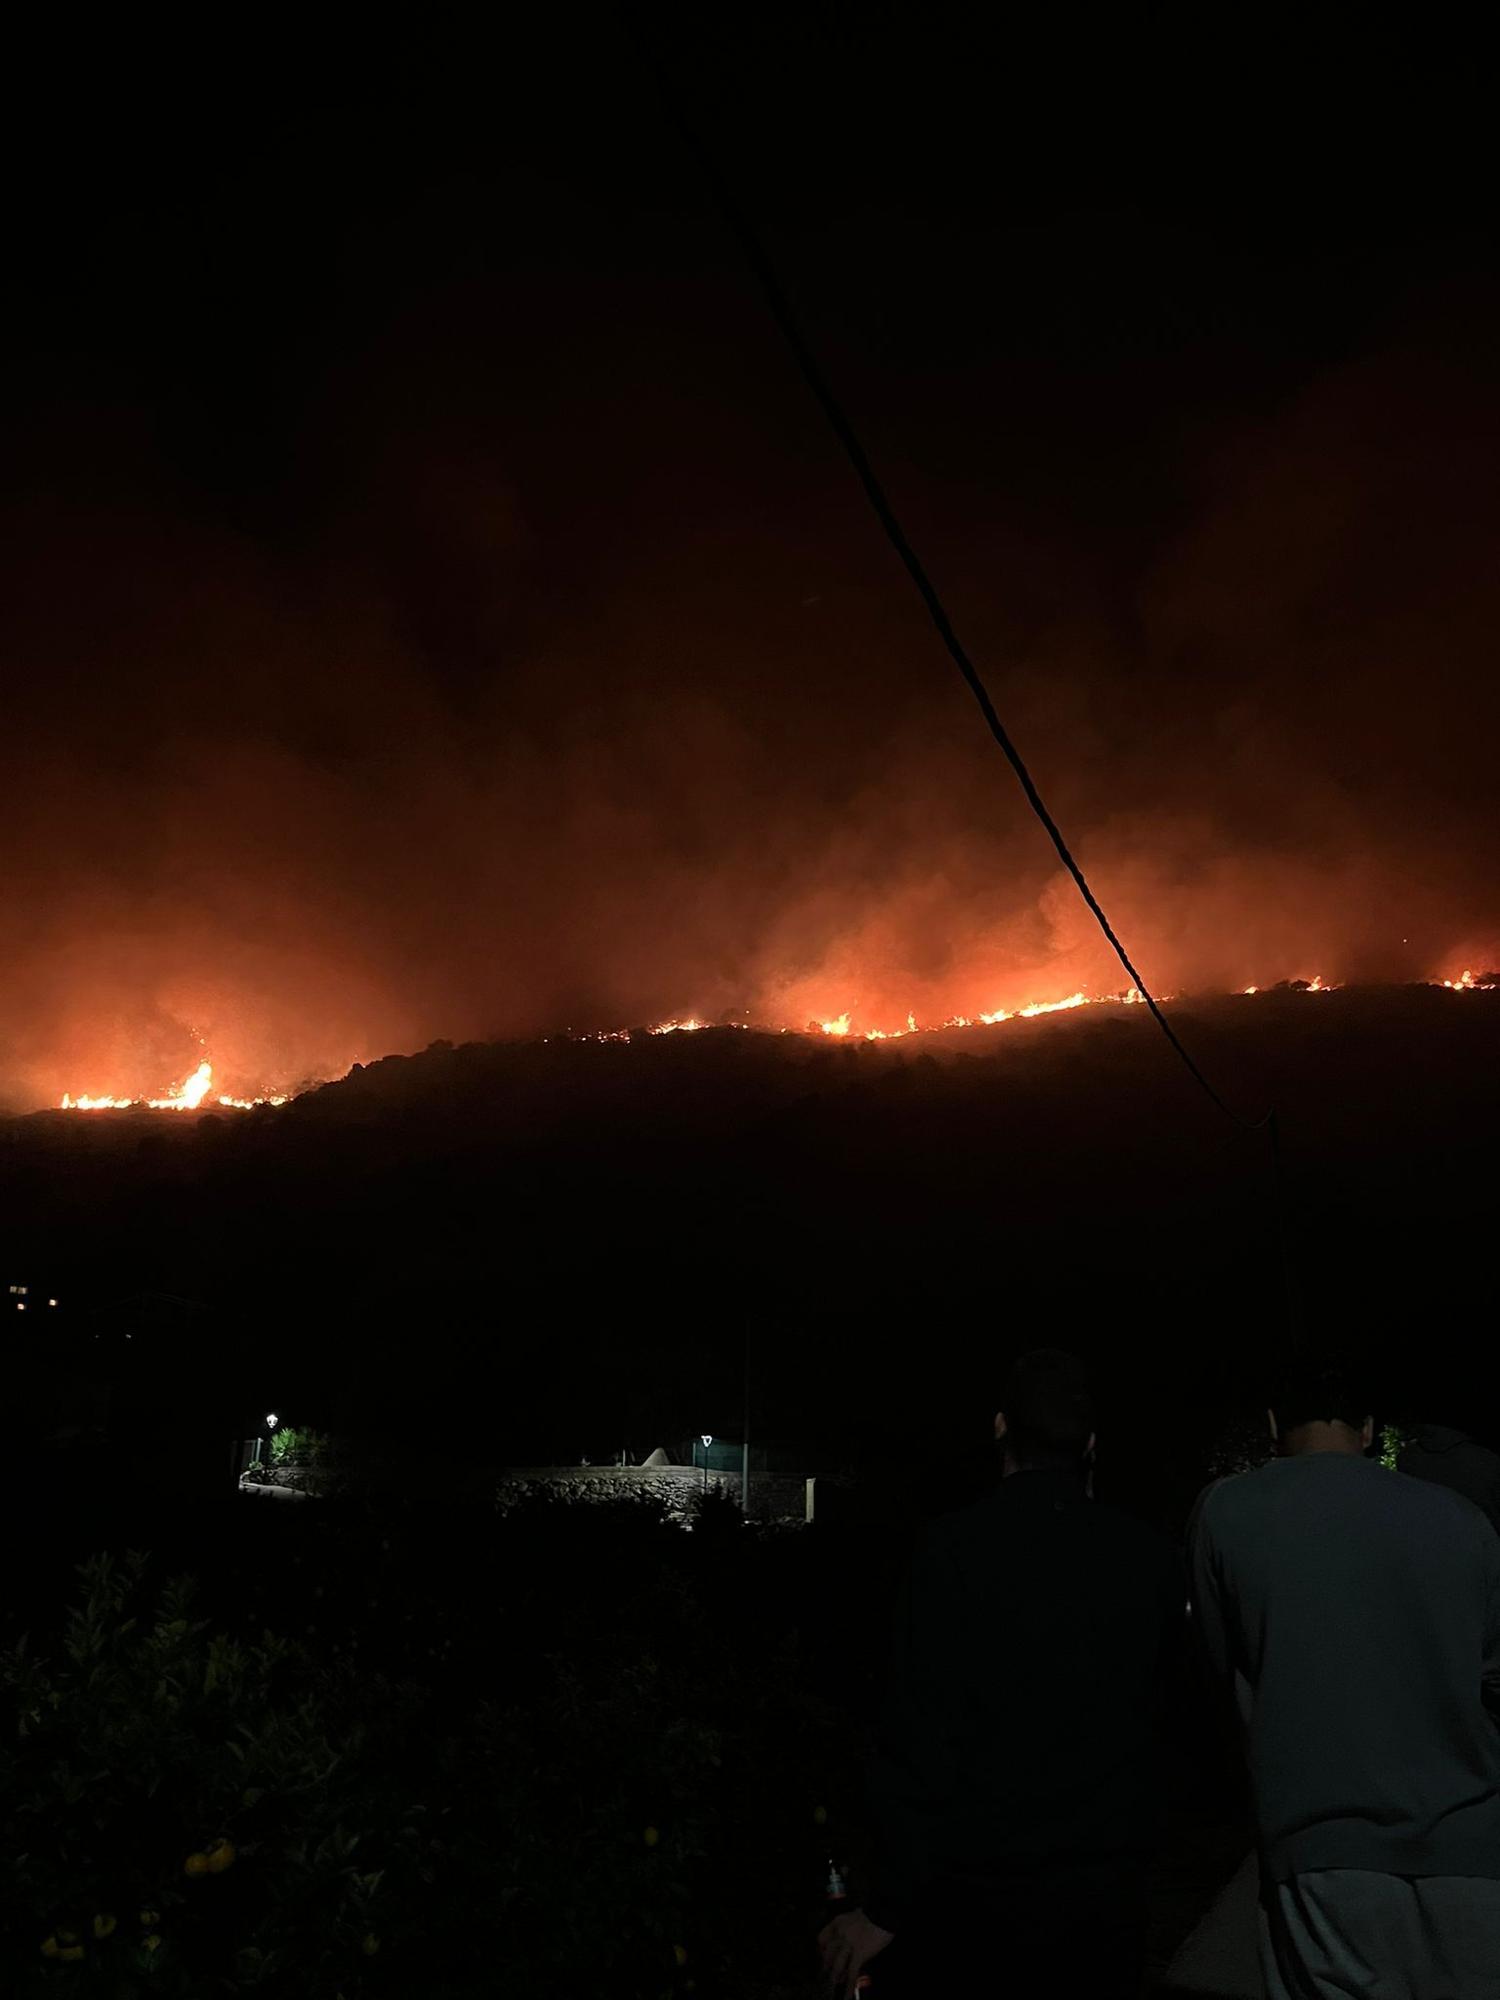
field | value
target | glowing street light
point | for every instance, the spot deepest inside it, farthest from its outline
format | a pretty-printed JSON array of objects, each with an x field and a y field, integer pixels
[
  {"x": 272, "y": 1420},
  {"x": 707, "y": 1441}
]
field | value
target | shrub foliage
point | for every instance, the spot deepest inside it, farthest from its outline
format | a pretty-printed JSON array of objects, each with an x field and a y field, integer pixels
[{"x": 606, "y": 1779}]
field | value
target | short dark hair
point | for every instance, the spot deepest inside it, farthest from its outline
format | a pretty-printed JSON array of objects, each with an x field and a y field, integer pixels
[
  {"x": 1321, "y": 1388},
  {"x": 1048, "y": 1408}
]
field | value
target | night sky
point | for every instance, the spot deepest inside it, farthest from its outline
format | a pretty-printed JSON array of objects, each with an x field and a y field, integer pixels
[{"x": 433, "y": 607}]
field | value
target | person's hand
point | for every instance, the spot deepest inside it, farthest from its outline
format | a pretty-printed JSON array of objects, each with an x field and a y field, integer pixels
[{"x": 846, "y": 1947}]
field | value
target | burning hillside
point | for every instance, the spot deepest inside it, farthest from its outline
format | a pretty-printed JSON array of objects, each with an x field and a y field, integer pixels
[
  {"x": 196, "y": 1092},
  {"x": 576, "y": 1220}
]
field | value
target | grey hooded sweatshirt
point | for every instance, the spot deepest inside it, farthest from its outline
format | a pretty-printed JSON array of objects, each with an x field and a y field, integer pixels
[{"x": 1361, "y": 1611}]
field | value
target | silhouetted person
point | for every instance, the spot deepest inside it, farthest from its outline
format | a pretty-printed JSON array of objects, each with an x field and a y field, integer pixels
[
  {"x": 1452, "y": 1458},
  {"x": 1359, "y": 1613},
  {"x": 1014, "y": 1775}
]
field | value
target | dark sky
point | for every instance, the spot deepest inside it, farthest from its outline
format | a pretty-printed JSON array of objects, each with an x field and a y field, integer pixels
[{"x": 432, "y": 605}]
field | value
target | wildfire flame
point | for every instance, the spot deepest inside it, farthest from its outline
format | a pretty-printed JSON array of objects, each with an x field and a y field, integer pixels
[
  {"x": 196, "y": 1090},
  {"x": 842, "y": 1024},
  {"x": 189, "y": 1095}
]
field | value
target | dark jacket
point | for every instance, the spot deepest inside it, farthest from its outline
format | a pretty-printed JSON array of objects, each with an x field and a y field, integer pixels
[
  {"x": 1019, "y": 1726},
  {"x": 1361, "y": 1611},
  {"x": 1452, "y": 1458}
]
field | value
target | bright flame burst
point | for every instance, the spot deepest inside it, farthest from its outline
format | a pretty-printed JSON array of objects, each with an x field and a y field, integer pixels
[{"x": 189, "y": 1095}]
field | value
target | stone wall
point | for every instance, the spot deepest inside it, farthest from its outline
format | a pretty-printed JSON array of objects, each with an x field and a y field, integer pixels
[
  {"x": 303, "y": 1479},
  {"x": 677, "y": 1487},
  {"x": 275, "y": 1489}
]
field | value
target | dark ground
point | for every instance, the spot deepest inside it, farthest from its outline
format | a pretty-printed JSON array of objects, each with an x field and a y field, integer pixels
[{"x": 540, "y": 1251}]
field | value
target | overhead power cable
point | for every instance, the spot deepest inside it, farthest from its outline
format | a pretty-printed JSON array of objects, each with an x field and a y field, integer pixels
[{"x": 781, "y": 311}]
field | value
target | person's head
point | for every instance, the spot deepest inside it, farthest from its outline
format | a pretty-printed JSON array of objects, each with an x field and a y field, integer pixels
[
  {"x": 1046, "y": 1421},
  {"x": 1320, "y": 1404}
]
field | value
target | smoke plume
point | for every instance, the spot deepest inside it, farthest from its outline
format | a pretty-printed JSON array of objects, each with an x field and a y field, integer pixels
[{"x": 589, "y": 698}]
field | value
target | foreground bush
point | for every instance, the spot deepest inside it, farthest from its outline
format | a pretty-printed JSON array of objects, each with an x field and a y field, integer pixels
[
  {"x": 622, "y": 1801},
  {"x": 184, "y": 1811}
]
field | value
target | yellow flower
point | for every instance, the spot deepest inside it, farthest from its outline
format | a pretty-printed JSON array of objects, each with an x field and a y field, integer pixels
[
  {"x": 150, "y": 1943},
  {"x": 150, "y": 1919},
  {"x": 219, "y": 1855},
  {"x": 679, "y": 1952},
  {"x": 196, "y": 1864},
  {"x": 103, "y": 1926},
  {"x": 370, "y": 1944},
  {"x": 651, "y": 1836},
  {"x": 49, "y": 1947},
  {"x": 70, "y": 1951}
]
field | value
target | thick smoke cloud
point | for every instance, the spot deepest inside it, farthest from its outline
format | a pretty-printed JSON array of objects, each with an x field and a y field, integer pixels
[
  {"x": 243, "y": 809},
  {"x": 493, "y": 643}
]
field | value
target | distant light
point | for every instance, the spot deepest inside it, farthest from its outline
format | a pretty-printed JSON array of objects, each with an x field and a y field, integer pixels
[
  {"x": 52, "y": 1302},
  {"x": 707, "y": 1440},
  {"x": 272, "y": 1420},
  {"x": 20, "y": 1305}
]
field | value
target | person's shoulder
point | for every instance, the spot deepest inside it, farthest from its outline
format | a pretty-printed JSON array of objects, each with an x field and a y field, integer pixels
[
  {"x": 1222, "y": 1495},
  {"x": 944, "y": 1534},
  {"x": 973, "y": 1524},
  {"x": 970, "y": 1521},
  {"x": 1231, "y": 1498},
  {"x": 971, "y": 1534},
  {"x": 1442, "y": 1504}
]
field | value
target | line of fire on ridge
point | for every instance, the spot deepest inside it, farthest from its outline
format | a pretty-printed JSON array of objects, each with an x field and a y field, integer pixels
[
  {"x": 196, "y": 1092},
  {"x": 842, "y": 1027}
]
